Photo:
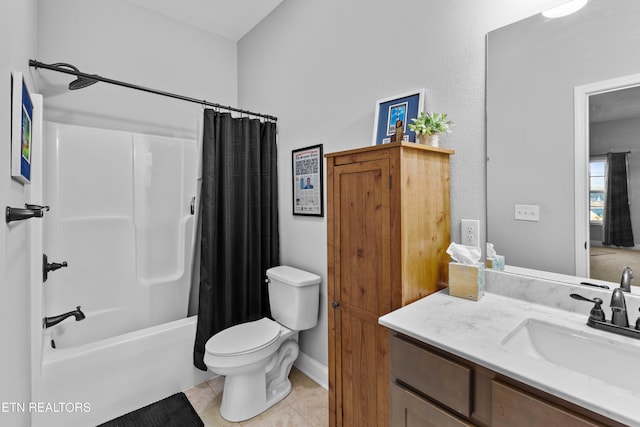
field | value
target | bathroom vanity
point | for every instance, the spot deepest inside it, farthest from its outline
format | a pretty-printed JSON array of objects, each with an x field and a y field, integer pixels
[{"x": 521, "y": 356}]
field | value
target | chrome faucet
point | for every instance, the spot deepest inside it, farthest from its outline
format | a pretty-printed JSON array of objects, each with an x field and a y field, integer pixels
[
  {"x": 619, "y": 308},
  {"x": 619, "y": 323},
  {"x": 54, "y": 320},
  {"x": 625, "y": 280}
]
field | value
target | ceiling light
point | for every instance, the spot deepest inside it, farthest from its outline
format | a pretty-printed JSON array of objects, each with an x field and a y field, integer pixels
[{"x": 565, "y": 9}]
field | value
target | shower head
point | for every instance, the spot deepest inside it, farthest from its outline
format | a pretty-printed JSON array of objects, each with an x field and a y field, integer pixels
[{"x": 80, "y": 82}]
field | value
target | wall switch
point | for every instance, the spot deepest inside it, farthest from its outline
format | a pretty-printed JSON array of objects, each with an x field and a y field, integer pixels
[
  {"x": 527, "y": 212},
  {"x": 470, "y": 230}
]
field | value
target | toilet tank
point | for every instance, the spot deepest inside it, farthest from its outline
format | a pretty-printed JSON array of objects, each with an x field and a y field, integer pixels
[{"x": 294, "y": 297}]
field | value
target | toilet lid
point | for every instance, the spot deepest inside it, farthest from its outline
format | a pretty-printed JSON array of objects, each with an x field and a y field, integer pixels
[{"x": 243, "y": 338}]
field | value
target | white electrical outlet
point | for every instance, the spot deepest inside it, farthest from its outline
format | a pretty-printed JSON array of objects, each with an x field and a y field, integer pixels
[{"x": 470, "y": 232}]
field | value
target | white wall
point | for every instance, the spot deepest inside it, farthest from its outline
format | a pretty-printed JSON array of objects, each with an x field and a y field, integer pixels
[
  {"x": 320, "y": 66},
  {"x": 17, "y": 43},
  {"x": 122, "y": 41}
]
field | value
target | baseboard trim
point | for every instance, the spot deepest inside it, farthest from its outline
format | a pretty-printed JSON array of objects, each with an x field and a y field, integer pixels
[
  {"x": 595, "y": 243},
  {"x": 313, "y": 369}
]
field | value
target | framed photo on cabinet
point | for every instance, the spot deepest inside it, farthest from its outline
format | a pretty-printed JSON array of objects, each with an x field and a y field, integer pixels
[
  {"x": 307, "y": 181},
  {"x": 393, "y": 116}
]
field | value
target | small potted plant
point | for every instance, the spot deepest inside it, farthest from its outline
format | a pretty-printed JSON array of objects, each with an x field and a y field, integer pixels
[{"x": 428, "y": 126}]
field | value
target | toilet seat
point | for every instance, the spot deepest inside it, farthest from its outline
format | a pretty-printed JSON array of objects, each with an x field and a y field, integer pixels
[{"x": 244, "y": 338}]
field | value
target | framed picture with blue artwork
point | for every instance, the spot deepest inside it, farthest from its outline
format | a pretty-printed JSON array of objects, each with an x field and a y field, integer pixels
[
  {"x": 21, "y": 129},
  {"x": 393, "y": 116}
]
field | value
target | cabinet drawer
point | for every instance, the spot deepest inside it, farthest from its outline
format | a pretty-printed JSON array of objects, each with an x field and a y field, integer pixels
[
  {"x": 410, "y": 410},
  {"x": 441, "y": 379},
  {"x": 512, "y": 407}
]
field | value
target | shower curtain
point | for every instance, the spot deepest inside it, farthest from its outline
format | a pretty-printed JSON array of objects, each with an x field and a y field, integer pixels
[
  {"x": 617, "y": 215},
  {"x": 239, "y": 214}
]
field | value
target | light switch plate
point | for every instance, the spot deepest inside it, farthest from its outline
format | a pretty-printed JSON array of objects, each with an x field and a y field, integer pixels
[{"x": 527, "y": 212}]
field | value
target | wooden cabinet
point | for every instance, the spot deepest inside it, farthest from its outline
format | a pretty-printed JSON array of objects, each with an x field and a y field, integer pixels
[
  {"x": 408, "y": 409},
  {"x": 387, "y": 233},
  {"x": 514, "y": 407},
  {"x": 430, "y": 387},
  {"x": 443, "y": 379}
]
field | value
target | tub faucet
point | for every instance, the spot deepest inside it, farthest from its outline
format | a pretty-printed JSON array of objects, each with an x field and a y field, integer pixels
[
  {"x": 625, "y": 280},
  {"x": 54, "y": 320}
]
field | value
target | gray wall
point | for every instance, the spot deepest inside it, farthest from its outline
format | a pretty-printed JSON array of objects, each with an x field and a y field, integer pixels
[
  {"x": 120, "y": 40},
  {"x": 18, "y": 29},
  {"x": 320, "y": 66},
  {"x": 115, "y": 39}
]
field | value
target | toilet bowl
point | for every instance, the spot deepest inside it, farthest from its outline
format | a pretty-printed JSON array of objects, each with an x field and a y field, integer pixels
[{"x": 256, "y": 357}]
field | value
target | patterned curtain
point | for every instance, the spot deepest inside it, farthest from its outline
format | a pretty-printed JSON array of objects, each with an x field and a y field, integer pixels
[
  {"x": 239, "y": 214},
  {"x": 617, "y": 215}
]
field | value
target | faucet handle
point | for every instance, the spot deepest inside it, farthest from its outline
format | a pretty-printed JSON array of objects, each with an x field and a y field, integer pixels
[
  {"x": 619, "y": 308},
  {"x": 596, "y": 312},
  {"x": 617, "y": 299}
]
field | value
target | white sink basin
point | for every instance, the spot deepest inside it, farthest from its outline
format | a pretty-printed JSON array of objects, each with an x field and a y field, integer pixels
[{"x": 591, "y": 354}]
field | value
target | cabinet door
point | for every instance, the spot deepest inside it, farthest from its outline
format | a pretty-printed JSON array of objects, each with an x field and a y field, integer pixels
[
  {"x": 443, "y": 380},
  {"x": 362, "y": 241},
  {"x": 410, "y": 410},
  {"x": 362, "y": 290},
  {"x": 513, "y": 407}
]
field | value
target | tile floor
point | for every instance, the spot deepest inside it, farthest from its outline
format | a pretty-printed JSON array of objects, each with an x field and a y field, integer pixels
[{"x": 306, "y": 405}]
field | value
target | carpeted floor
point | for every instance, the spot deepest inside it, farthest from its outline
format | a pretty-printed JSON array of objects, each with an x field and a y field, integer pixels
[
  {"x": 607, "y": 263},
  {"x": 173, "y": 411}
]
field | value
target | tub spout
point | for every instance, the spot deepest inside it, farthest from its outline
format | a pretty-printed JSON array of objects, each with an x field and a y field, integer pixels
[{"x": 54, "y": 320}]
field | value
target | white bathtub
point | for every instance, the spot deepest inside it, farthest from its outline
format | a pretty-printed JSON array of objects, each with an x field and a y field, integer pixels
[{"x": 92, "y": 383}]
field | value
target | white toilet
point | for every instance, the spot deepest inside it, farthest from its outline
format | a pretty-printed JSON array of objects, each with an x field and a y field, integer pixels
[{"x": 256, "y": 357}]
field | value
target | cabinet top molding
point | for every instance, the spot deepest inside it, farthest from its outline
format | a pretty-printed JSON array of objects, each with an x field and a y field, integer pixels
[{"x": 411, "y": 145}]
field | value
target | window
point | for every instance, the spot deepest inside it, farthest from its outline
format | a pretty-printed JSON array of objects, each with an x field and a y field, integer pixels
[{"x": 596, "y": 189}]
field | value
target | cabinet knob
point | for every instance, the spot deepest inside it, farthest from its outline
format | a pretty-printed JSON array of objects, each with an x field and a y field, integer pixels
[{"x": 335, "y": 304}]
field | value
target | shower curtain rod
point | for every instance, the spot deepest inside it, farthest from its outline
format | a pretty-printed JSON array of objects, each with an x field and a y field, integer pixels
[
  {"x": 611, "y": 152},
  {"x": 37, "y": 64}
]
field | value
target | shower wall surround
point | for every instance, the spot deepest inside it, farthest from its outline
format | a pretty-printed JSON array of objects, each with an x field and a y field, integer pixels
[{"x": 121, "y": 217}]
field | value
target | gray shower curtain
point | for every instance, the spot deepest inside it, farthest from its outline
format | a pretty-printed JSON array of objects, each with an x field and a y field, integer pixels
[
  {"x": 239, "y": 214},
  {"x": 617, "y": 215}
]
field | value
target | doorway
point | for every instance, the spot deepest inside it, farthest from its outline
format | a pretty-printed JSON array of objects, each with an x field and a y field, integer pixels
[{"x": 607, "y": 120}]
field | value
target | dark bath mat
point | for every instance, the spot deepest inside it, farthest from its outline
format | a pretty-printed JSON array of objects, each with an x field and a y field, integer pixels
[{"x": 173, "y": 411}]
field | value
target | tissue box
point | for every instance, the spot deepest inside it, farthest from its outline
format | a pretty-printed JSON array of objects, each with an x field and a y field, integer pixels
[
  {"x": 495, "y": 262},
  {"x": 466, "y": 281}
]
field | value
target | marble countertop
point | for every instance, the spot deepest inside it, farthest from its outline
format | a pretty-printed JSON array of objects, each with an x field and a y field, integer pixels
[{"x": 475, "y": 331}]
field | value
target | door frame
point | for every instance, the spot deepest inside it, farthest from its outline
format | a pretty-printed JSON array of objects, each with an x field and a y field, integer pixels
[{"x": 581, "y": 167}]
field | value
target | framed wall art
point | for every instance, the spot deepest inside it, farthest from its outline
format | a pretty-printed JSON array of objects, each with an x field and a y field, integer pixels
[
  {"x": 21, "y": 129},
  {"x": 393, "y": 116},
  {"x": 307, "y": 181}
]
